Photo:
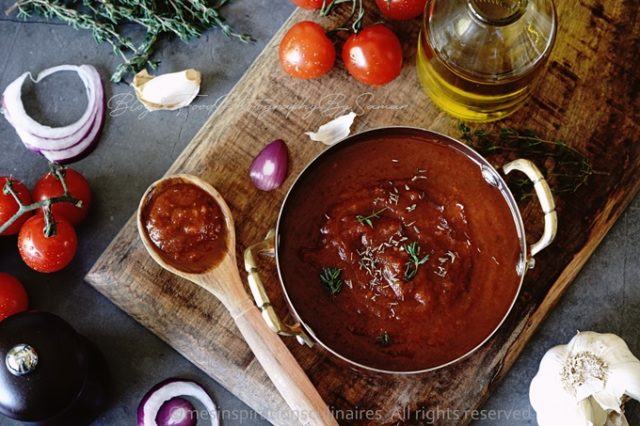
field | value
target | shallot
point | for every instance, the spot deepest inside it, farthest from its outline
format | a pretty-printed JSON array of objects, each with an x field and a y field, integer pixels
[{"x": 269, "y": 169}]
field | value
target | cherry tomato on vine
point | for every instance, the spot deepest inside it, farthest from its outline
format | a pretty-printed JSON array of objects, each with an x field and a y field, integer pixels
[
  {"x": 48, "y": 186},
  {"x": 13, "y": 297},
  {"x": 47, "y": 254},
  {"x": 310, "y": 4},
  {"x": 373, "y": 56},
  {"x": 306, "y": 51},
  {"x": 9, "y": 206},
  {"x": 401, "y": 9}
]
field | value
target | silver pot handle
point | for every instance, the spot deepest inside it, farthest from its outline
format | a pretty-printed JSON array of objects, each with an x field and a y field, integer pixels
[{"x": 545, "y": 197}]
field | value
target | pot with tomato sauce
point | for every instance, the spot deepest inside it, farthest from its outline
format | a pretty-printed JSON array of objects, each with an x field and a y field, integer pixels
[{"x": 402, "y": 250}]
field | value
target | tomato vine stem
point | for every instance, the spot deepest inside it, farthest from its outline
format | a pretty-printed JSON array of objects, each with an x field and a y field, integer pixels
[
  {"x": 50, "y": 226},
  {"x": 357, "y": 10}
]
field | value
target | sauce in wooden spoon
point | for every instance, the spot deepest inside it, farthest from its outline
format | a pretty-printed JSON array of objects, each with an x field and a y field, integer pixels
[{"x": 186, "y": 226}]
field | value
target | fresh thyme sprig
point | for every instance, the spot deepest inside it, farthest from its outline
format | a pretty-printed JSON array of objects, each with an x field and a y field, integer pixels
[
  {"x": 566, "y": 169},
  {"x": 368, "y": 220},
  {"x": 186, "y": 19},
  {"x": 411, "y": 267},
  {"x": 384, "y": 339},
  {"x": 330, "y": 278}
]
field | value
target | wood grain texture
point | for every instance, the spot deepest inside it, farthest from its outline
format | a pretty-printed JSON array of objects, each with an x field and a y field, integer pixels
[{"x": 589, "y": 97}]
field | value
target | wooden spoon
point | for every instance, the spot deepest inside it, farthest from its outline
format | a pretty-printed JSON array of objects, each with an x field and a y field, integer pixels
[{"x": 223, "y": 281}]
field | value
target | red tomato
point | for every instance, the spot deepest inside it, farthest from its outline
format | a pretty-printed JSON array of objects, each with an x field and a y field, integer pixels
[
  {"x": 310, "y": 4},
  {"x": 49, "y": 186},
  {"x": 9, "y": 206},
  {"x": 306, "y": 51},
  {"x": 47, "y": 254},
  {"x": 13, "y": 297},
  {"x": 373, "y": 56},
  {"x": 401, "y": 9}
]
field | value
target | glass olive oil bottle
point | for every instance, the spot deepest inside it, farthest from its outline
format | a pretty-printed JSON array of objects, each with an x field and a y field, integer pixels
[{"x": 479, "y": 60}]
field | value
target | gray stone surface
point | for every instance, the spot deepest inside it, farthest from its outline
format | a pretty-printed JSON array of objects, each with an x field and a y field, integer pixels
[{"x": 136, "y": 148}]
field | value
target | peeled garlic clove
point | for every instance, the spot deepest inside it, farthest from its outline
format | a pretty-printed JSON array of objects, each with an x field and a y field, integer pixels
[
  {"x": 167, "y": 91},
  {"x": 333, "y": 131}
]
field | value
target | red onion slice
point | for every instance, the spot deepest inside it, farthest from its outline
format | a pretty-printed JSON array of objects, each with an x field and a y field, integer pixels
[
  {"x": 177, "y": 412},
  {"x": 158, "y": 395},
  {"x": 81, "y": 149},
  {"x": 59, "y": 144},
  {"x": 12, "y": 101}
]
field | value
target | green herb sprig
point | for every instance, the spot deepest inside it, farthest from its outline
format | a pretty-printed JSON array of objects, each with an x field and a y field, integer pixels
[
  {"x": 384, "y": 339},
  {"x": 411, "y": 267},
  {"x": 368, "y": 220},
  {"x": 566, "y": 169},
  {"x": 186, "y": 19},
  {"x": 330, "y": 278}
]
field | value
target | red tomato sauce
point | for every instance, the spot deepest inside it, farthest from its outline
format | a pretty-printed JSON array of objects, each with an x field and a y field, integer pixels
[
  {"x": 426, "y": 251},
  {"x": 186, "y": 226}
]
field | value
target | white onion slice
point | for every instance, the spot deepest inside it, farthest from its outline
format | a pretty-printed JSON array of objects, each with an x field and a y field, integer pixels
[
  {"x": 59, "y": 144},
  {"x": 171, "y": 388}
]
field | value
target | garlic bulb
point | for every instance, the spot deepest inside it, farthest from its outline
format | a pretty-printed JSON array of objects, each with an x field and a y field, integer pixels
[
  {"x": 167, "y": 91},
  {"x": 586, "y": 382}
]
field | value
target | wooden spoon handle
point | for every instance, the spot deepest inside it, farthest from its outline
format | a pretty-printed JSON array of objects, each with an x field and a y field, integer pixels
[{"x": 281, "y": 367}]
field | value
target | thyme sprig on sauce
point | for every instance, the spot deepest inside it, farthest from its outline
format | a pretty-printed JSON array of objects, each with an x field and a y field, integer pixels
[
  {"x": 565, "y": 168},
  {"x": 330, "y": 278},
  {"x": 368, "y": 220},
  {"x": 411, "y": 267},
  {"x": 384, "y": 339}
]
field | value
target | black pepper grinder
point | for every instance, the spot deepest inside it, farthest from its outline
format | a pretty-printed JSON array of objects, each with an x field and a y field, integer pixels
[{"x": 49, "y": 374}]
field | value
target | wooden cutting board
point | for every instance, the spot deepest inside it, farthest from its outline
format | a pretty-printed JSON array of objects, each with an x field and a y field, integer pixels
[{"x": 589, "y": 97}]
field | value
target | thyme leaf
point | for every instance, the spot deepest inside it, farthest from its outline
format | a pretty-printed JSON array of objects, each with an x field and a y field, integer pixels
[
  {"x": 411, "y": 267},
  {"x": 384, "y": 339},
  {"x": 330, "y": 278},
  {"x": 368, "y": 220}
]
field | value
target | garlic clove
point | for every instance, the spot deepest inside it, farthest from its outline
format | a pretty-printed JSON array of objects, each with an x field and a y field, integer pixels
[
  {"x": 592, "y": 413},
  {"x": 167, "y": 91},
  {"x": 606, "y": 346},
  {"x": 553, "y": 405},
  {"x": 591, "y": 386},
  {"x": 567, "y": 415},
  {"x": 615, "y": 351},
  {"x": 616, "y": 419},
  {"x": 333, "y": 131},
  {"x": 608, "y": 400},
  {"x": 624, "y": 379}
]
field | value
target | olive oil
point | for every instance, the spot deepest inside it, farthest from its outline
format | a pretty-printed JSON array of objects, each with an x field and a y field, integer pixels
[{"x": 481, "y": 63}]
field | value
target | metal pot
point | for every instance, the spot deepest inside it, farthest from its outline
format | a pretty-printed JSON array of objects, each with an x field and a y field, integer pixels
[{"x": 271, "y": 245}]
